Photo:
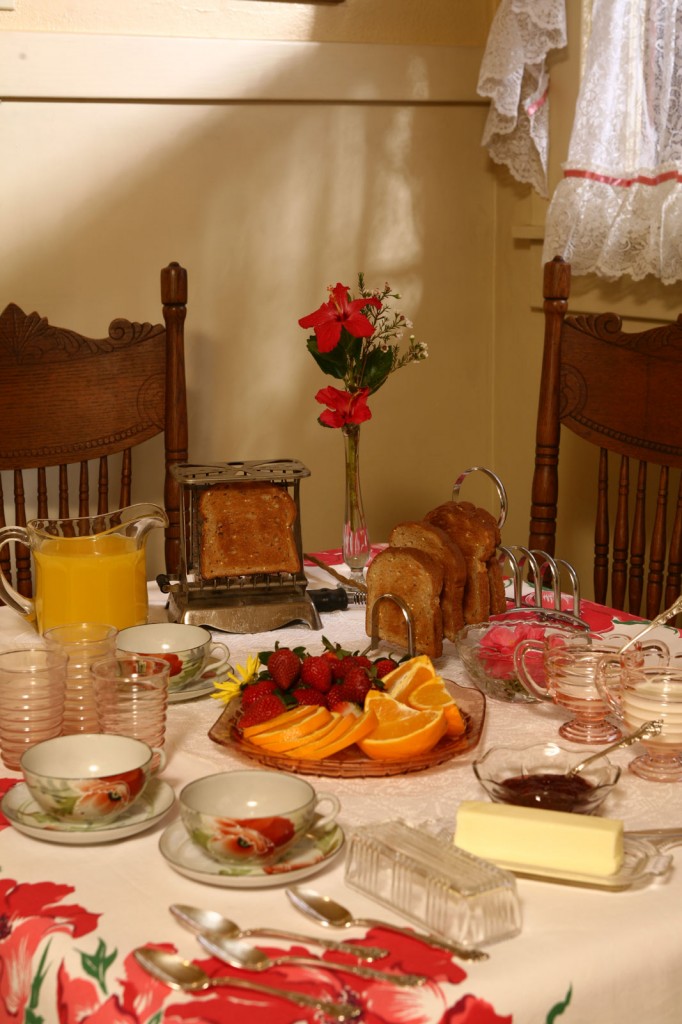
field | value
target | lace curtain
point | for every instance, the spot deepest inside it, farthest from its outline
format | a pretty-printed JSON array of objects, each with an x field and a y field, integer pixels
[
  {"x": 618, "y": 209},
  {"x": 514, "y": 76}
]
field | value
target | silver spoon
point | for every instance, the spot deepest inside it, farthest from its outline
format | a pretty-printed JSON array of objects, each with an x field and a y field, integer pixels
[
  {"x": 241, "y": 954},
  {"x": 644, "y": 732},
  {"x": 198, "y": 920},
  {"x": 660, "y": 620},
  {"x": 329, "y": 913},
  {"x": 175, "y": 972}
]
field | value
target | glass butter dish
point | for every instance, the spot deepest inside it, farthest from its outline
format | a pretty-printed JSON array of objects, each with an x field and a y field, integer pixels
[{"x": 433, "y": 883}]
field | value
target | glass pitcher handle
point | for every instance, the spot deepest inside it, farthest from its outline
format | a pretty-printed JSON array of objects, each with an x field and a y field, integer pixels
[{"x": 9, "y": 595}]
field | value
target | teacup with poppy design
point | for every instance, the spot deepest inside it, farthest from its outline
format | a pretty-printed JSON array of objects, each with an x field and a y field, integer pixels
[
  {"x": 91, "y": 778},
  {"x": 253, "y": 815},
  {"x": 189, "y": 650}
]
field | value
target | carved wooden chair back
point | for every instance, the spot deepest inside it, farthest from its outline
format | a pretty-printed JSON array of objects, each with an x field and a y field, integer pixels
[
  {"x": 68, "y": 399},
  {"x": 621, "y": 392}
]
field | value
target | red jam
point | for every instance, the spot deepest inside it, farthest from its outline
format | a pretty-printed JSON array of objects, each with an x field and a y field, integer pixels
[{"x": 551, "y": 792}]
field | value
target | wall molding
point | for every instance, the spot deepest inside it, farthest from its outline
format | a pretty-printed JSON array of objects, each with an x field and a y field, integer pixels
[{"x": 54, "y": 66}]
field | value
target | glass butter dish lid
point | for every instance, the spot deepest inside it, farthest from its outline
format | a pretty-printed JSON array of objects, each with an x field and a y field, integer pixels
[{"x": 433, "y": 883}]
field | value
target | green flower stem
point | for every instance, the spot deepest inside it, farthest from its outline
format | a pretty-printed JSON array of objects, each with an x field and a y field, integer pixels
[{"x": 356, "y": 545}]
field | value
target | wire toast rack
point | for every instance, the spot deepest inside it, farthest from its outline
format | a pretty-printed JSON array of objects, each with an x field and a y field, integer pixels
[
  {"x": 251, "y": 603},
  {"x": 543, "y": 573},
  {"x": 546, "y": 601}
]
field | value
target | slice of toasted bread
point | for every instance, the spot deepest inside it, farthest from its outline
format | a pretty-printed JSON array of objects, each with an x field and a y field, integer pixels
[
  {"x": 478, "y": 535},
  {"x": 435, "y": 542},
  {"x": 247, "y": 529},
  {"x": 417, "y": 579},
  {"x": 498, "y": 597}
]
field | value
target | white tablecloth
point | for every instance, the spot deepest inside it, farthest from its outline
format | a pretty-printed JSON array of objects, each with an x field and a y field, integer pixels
[{"x": 613, "y": 955}]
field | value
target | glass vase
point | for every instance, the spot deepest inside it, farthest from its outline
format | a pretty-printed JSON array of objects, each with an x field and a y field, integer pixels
[{"x": 356, "y": 547}]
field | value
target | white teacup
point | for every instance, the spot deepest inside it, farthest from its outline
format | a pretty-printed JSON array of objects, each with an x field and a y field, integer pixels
[
  {"x": 189, "y": 650},
  {"x": 246, "y": 816},
  {"x": 89, "y": 777}
]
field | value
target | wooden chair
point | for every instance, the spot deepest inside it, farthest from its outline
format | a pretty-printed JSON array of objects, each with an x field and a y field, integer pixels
[
  {"x": 68, "y": 399},
  {"x": 623, "y": 393}
]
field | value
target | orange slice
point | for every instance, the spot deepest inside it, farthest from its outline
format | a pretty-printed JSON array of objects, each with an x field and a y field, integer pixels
[
  {"x": 287, "y": 735},
  {"x": 433, "y": 696},
  {"x": 287, "y": 717},
  {"x": 327, "y": 730},
  {"x": 357, "y": 727},
  {"x": 402, "y": 680},
  {"x": 402, "y": 732}
]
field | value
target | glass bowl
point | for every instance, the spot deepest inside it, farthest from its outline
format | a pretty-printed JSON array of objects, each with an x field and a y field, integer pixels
[
  {"x": 536, "y": 776},
  {"x": 487, "y": 652}
]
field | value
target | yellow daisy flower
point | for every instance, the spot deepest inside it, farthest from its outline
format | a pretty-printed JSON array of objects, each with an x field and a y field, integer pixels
[{"x": 228, "y": 689}]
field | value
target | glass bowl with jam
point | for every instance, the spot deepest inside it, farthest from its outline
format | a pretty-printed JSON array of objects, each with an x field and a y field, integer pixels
[{"x": 537, "y": 776}]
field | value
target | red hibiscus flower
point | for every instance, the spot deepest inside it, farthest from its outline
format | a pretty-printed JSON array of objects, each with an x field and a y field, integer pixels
[
  {"x": 338, "y": 314},
  {"x": 343, "y": 407},
  {"x": 143, "y": 997},
  {"x": 28, "y": 913}
]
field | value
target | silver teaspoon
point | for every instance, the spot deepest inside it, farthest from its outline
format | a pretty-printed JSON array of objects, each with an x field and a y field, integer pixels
[
  {"x": 660, "y": 620},
  {"x": 331, "y": 914},
  {"x": 241, "y": 954},
  {"x": 644, "y": 732},
  {"x": 198, "y": 920},
  {"x": 175, "y": 972}
]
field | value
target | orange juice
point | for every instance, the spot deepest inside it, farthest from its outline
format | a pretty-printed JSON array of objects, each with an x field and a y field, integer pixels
[{"x": 90, "y": 579}]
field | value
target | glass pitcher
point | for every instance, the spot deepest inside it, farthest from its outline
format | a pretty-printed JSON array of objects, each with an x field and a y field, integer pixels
[{"x": 86, "y": 570}]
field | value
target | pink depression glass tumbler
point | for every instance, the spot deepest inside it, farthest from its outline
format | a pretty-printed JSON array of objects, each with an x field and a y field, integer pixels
[
  {"x": 131, "y": 696},
  {"x": 32, "y": 687},
  {"x": 82, "y": 642}
]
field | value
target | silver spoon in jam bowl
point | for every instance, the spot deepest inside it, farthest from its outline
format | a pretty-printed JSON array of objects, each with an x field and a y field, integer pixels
[{"x": 646, "y": 731}]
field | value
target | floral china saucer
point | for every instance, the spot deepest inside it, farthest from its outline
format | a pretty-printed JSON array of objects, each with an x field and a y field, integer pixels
[
  {"x": 314, "y": 851},
  {"x": 26, "y": 816},
  {"x": 197, "y": 687}
]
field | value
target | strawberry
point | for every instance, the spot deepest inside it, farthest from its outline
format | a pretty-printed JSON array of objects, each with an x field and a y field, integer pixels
[
  {"x": 284, "y": 666},
  {"x": 357, "y": 683},
  {"x": 341, "y": 669},
  {"x": 262, "y": 710},
  {"x": 317, "y": 672},
  {"x": 309, "y": 695},
  {"x": 383, "y": 666},
  {"x": 254, "y": 691},
  {"x": 340, "y": 698},
  {"x": 362, "y": 660},
  {"x": 338, "y": 668}
]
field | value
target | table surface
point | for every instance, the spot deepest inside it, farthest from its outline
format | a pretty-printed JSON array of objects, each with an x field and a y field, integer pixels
[{"x": 70, "y": 916}]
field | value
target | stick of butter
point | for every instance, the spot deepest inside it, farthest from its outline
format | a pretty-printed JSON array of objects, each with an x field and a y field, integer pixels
[{"x": 534, "y": 837}]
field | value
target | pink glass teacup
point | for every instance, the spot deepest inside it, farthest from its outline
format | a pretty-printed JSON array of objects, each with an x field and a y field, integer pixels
[
  {"x": 649, "y": 694},
  {"x": 570, "y": 668}
]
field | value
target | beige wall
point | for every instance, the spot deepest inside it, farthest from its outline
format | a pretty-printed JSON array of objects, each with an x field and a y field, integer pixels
[
  {"x": 268, "y": 202},
  {"x": 428, "y": 22}
]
